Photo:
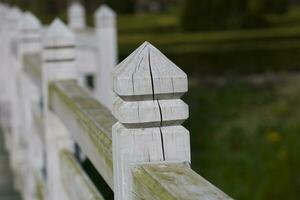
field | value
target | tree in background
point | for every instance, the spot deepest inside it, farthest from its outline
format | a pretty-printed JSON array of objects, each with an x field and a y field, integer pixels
[
  {"x": 224, "y": 14},
  {"x": 277, "y": 6}
]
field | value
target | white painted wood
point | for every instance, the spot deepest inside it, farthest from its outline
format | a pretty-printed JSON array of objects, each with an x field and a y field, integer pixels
[
  {"x": 30, "y": 34},
  {"x": 10, "y": 70},
  {"x": 173, "y": 181},
  {"x": 76, "y": 183},
  {"x": 106, "y": 33},
  {"x": 88, "y": 121},
  {"x": 149, "y": 111},
  {"x": 76, "y": 16},
  {"x": 58, "y": 64},
  {"x": 29, "y": 41},
  {"x": 133, "y": 77}
]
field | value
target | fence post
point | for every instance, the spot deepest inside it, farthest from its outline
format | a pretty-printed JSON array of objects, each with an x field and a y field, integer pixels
[
  {"x": 29, "y": 42},
  {"x": 76, "y": 16},
  {"x": 3, "y": 95},
  {"x": 106, "y": 33},
  {"x": 58, "y": 64},
  {"x": 149, "y": 113},
  {"x": 13, "y": 134},
  {"x": 31, "y": 29}
]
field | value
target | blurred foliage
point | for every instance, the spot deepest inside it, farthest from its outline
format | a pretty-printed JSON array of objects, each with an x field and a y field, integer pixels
[
  {"x": 224, "y": 14},
  {"x": 275, "y": 48},
  {"x": 248, "y": 141},
  {"x": 244, "y": 135},
  {"x": 238, "y": 52},
  {"x": 46, "y": 10}
]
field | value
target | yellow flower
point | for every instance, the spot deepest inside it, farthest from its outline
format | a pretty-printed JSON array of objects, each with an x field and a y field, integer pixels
[{"x": 273, "y": 136}]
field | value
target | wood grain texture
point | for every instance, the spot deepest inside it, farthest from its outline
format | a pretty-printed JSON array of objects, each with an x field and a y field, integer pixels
[
  {"x": 172, "y": 182},
  {"x": 88, "y": 121},
  {"x": 75, "y": 181},
  {"x": 150, "y": 112}
]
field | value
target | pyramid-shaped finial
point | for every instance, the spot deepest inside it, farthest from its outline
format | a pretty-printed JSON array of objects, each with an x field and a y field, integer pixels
[
  {"x": 30, "y": 22},
  {"x": 148, "y": 72},
  {"x": 58, "y": 34}
]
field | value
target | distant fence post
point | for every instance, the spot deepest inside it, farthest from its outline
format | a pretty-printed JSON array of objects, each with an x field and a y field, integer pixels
[
  {"x": 149, "y": 113},
  {"x": 30, "y": 36},
  {"x": 3, "y": 95},
  {"x": 58, "y": 64},
  {"x": 11, "y": 28},
  {"x": 76, "y": 16},
  {"x": 2, "y": 15},
  {"x": 29, "y": 42},
  {"x": 106, "y": 34}
]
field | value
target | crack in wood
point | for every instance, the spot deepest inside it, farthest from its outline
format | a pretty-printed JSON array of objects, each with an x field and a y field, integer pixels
[{"x": 159, "y": 107}]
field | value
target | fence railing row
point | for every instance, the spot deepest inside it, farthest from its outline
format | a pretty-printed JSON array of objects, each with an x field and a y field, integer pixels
[{"x": 64, "y": 99}]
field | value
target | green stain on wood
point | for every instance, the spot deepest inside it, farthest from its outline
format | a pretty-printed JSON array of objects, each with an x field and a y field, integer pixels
[
  {"x": 82, "y": 188},
  {"x": 91, "y": 116},
  {"x": 172, "y": 182},
  {"x": 33, "y": 67}
]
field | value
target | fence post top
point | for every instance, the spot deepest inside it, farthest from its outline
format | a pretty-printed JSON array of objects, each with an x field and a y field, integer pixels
[
  {"x": 104, "y": 11},
  {"x": 76, "y": 7},
  {"x": 14, "y": 13},
  {"x": 58, "y": 34},
  {"x": 3, "y": 8},
  {"x": 147, "y": 72},
  {"x": 30, "y": 22}
]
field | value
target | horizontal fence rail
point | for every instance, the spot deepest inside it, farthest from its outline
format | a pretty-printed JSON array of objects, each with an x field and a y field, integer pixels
[
  {"x": 75, "y": 181},
  {"x": 65, "y": 99},
  {"x": 88, "y": 121}
]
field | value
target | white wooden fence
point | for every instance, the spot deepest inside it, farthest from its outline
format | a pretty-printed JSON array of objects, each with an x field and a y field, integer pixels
[{"x": 128, "y": 125}]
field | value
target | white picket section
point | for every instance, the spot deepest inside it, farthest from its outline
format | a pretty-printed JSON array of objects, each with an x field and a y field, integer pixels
[{"x": 129, "y": 126}]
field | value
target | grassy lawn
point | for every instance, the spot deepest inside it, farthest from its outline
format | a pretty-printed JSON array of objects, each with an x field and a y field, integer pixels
[{"x": 245, "y": 137}]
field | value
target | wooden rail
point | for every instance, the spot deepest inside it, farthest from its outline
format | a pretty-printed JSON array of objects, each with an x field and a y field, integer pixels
[
  {"x": 129, "y": 126},
  {"x": 88, "y": 121},
  {"x": 172, "y": 182},
  {"x": 76, "y": 182}
]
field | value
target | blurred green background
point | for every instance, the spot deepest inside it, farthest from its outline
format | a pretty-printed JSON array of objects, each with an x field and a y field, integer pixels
[{"x": 243, "y": 61}]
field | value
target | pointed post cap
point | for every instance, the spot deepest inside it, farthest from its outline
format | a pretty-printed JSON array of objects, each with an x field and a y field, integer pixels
[
  {"x": 14, "y": 13},
  {"x": 30, "y": 22},
  {"x": 58, "y": 34},
  {"x": 105, "y": 16},
  {"x": 149, "y": 73},
  {"x": 13, "y": 19}
]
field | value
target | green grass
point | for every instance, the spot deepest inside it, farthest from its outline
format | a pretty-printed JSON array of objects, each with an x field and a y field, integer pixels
[{"x": 245, "y": 137}]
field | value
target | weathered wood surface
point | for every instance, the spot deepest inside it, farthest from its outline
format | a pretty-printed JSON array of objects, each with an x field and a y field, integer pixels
[
  {"x": 59, "y": 56},
  {"x": 76, "y": 16},
  {"x": 33, "y": 68},
  {"x": 75, "y": 181},
  {"x": 7, "y": 191},
  {"x": 172, "y": 182},
  {"x": 38, "y": 122},
  {"x": 88, "y": 121},
  {"x": 106, "y": 31},
  {"x": 40, "y": 186},
  {"x": 149, "y": 112}
]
